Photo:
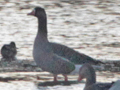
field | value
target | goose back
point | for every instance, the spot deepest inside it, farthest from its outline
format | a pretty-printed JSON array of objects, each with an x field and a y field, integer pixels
[{"x": 72, "y": 55}]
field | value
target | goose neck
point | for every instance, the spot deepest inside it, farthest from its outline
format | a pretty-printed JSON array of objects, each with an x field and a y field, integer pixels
[
  {"x": 90, "y": 80},
  {"x": 42, "y": 27}
]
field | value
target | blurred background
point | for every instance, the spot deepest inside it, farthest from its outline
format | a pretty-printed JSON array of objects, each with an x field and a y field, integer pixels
[{"x": 91, "y": 27}]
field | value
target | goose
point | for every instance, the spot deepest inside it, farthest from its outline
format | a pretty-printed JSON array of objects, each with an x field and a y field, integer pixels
[
  {"x": 88, "y": 72},
  {"x": 43, "y": 54},
  {"x": 8, "y": 51},
  {"x": 72, "y": 55}
]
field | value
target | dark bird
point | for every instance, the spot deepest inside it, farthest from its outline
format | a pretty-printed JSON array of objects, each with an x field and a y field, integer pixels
[
  {"x": 87, "y": 72},
  {"x": 43, "y": 53},
  {"x": 9, "y": 51}
]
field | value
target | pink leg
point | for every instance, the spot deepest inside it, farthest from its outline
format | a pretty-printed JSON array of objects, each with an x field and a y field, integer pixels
[
  {"x": 38, "y": 78},
  {"x": 66, "y": 78},
  {"x": 55, "y": 78},
  {"x": 80, "y": 78}
]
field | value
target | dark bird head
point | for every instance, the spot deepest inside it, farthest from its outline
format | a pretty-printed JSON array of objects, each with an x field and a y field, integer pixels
[
  {"x": 12, "y": 44},
  {"x": 38, "y": 12}
]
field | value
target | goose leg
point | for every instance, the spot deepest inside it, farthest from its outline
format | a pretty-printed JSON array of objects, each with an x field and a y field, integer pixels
[
  {"x": 55, "y": 78},
  {"x": 79, "y": 78},
  {"x": 66, "y": 78}
]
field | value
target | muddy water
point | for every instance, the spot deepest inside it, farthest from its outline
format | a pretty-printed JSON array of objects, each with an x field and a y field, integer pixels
[{"x": 90, "y": 27}]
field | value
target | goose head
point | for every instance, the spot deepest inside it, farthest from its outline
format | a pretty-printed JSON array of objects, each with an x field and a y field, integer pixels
[
  {"x": 87, "y": 71},
  {"x": 38, "y": 12}
]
